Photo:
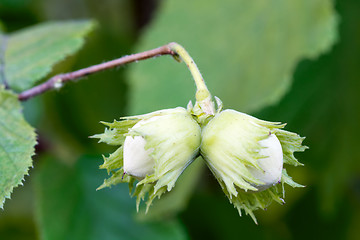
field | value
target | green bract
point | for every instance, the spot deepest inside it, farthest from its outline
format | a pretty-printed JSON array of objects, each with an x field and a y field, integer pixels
[
  {"x": 155, "y": 149},
  {"x": 246, "y": 156}
]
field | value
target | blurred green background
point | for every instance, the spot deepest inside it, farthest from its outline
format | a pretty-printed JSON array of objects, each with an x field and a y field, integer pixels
[{"x": 296, "y": 62}]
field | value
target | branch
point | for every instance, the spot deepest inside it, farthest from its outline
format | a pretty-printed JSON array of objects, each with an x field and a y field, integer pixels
[{"x": 58, "y": 80}]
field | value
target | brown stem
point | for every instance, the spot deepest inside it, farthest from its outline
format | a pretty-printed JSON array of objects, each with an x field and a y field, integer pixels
[{"x": 57, "y": 80}]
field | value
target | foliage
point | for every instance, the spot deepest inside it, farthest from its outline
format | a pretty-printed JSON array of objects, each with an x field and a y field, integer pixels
[
  {"x": 16, "y": 144},
  {"x": 252, "y": 46},
  {"x": 248, "y": 51},
  {"x": 31, "y": 53},
  {"x": 27, "y": 56}
]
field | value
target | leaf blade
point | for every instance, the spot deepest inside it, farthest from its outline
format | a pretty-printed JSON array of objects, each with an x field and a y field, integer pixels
[
  {"x": 247, "y": 50},
  {"x": 17, "y": 143},
  {"x": 32, "y": 52}
]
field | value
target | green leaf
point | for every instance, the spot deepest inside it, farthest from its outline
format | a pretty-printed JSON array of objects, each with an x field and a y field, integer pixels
[
  {"x": 247, "y": 50},
  {"x": 69, "y": 207},
  {"x": 17, "y": 141},
  {"x": 32, "y": 52}
]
